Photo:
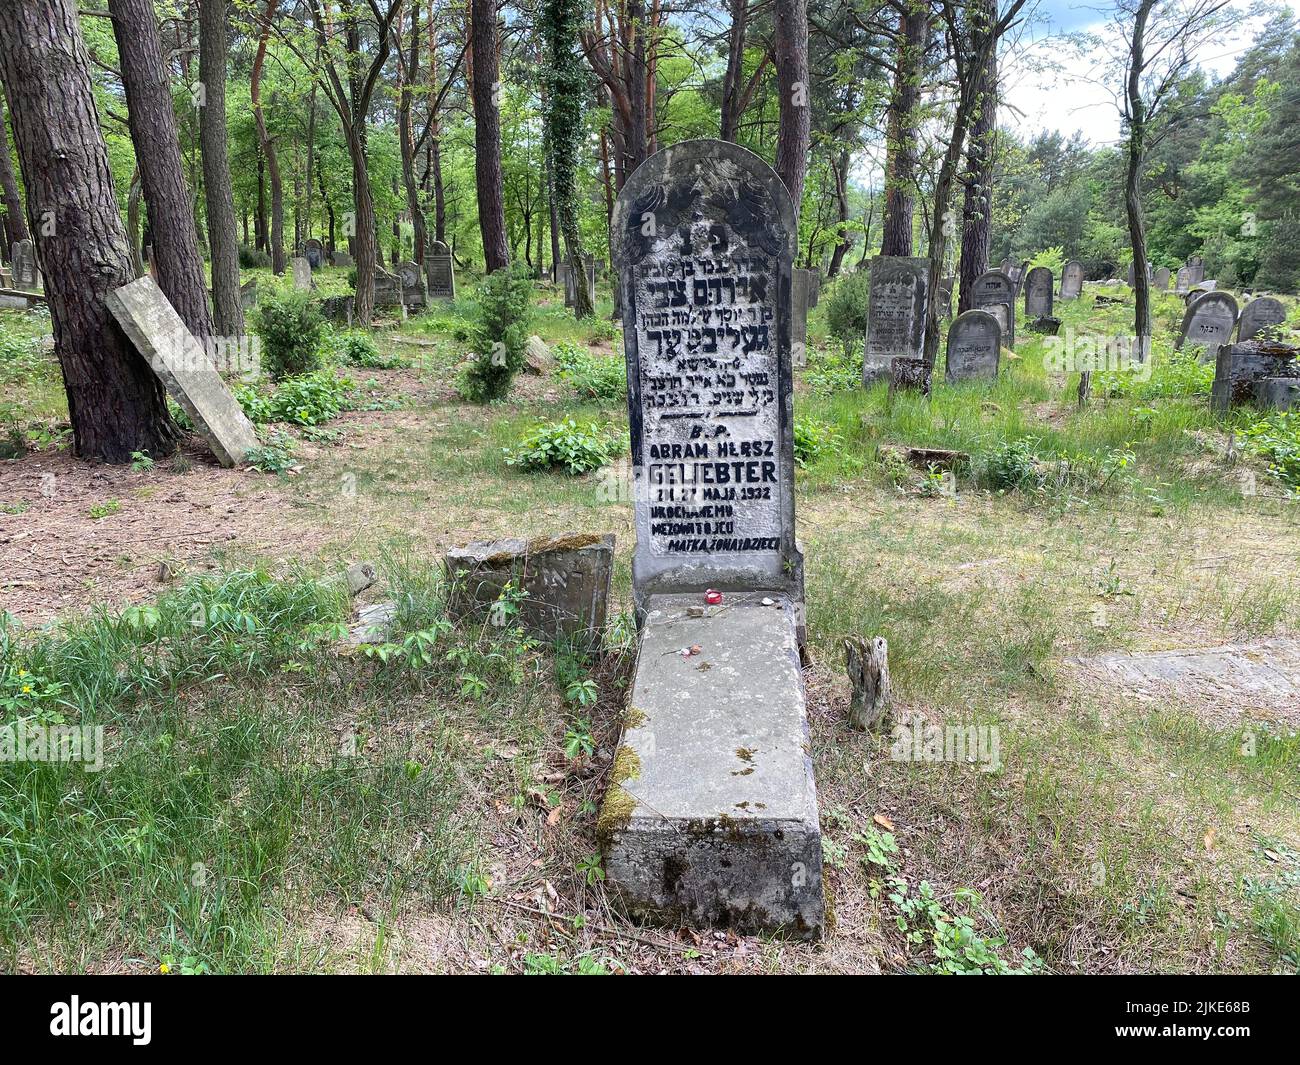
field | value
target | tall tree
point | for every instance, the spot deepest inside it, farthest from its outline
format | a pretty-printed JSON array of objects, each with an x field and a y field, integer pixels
[
  {"x": 977, "y": 181},
  {"x": 409, "y": 65},
  {"x": 15, "y": 227},
  {"x": 223, "y": 237},
  {"x": 616, "y": 46},
  {"x": 152, "y": 118},
  {"x": 269, "y": 152},
  {"x": 115, "y": 402},
  {"x": 486, "y": 91},
  {"x": 794, "y": 131},
  {"x": 902, "y": 122},
  {"x": 737, "y": 90}
]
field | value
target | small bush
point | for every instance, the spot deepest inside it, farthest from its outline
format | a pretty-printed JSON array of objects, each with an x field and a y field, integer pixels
[
  {"x": 312, "y": 398},
  {"x": 252, "y": 259},
  {"x": 599, "y": 377},
  {"x": 358, "y": 349},
  {"x": 499, "y": 335},
  {"x": 834, "y": 367},
  {"x": 1013, "y": 465},
  {"x": 846, "y": 307},
  {"x": 813, "y": 439},
  {"x": 291, "y": 329},
  {"x": 566, "y": 445},
  {"x": 275, "y": 456},
  {"x": 1276, "y": 437}
]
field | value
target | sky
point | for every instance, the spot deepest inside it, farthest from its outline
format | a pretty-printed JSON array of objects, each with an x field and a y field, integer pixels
[{"x": 1048, "y": 84}]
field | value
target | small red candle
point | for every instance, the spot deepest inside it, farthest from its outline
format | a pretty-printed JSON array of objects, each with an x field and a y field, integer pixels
[{"x": 713, "y": 597}]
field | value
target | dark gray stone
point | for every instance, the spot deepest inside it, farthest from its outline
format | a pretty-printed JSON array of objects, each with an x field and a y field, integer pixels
[
  {"x": 388, "y": 290},
  {"x": 994, "y": 289},
  {"x": 896, "y": 306},
  {"x": 910, "y": 375},
  {"x": 1239, "y": 367},
  {"x": 337, "y": 309},
  {"x": 26, "y": 273},
  {"x": 1072, "y": 280},
  {"x": 415, "y": 291},
  {"x": 799, "y": 318},
  {"x": 1277, "y": 393},
  {"x": 185, "y": 368},
  {"x": 711, "y": 815},
  {"x": 565, "y": 580},
  {"x": 1258, "y": 315},
  {"x": 974, "y": 346},
  {"x": 1045, "y": 324},
  {"x": 703, "y": 241},
  {"x": 1183, "y": 281},
  {"x": 248, "y": 294},
  {"x": 1160, "y": 280},
  {"x": 1196, "y": 270},
  {"x": 439, "y": 274},
  {"x": 314, "y": 252},
  {"x": 1039, "y": 285},
  {"x": 343, "y": 260},
  {"x": 1207, "y": 323}
]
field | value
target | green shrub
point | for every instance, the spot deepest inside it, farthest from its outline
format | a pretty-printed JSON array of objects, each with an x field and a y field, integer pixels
[
  {"x": 1276, "y": 437},
  {"x": 499, "y": 335},
  {"x": 834, "y": 367},
  {"x": 253, "y": 258},
  {"x": 312, "y": 398},
  {"x": 813, "y": 439},
  {"x": 599, "y": 377},
  {"x": 1173, "y": 373},
  {"x": 1052, "y": 258},
  {"x": 359, "y": 349},
  {"x": 291, "y": 329},
  {"x": 274, "y": 456},
  {"x": 21, "y": 360},
  {"x": 566, "y": 445},
  {"x": 1012, "y": 465},
  {"x": 846, "y": 307}
]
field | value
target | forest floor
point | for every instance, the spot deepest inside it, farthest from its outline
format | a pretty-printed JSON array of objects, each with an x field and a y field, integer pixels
[{"x": 277, "y": 801}]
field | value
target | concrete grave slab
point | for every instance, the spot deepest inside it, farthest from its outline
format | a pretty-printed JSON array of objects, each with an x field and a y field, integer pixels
[{"x": 186, "y": 369}]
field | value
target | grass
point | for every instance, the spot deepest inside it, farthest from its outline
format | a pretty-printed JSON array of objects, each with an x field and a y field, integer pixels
[{"x": 1119, "y": 834}]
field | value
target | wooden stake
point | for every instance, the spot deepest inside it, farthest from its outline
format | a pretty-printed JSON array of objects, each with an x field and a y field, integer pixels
[{"x": 867, "y": 663}]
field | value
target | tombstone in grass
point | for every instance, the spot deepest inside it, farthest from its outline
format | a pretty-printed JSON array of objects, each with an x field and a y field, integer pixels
[
  {"x": 1160, "y": 281},
  {"x": 896, "y": 303},
  {"x": 711, "y": 813},
  {"x": 186, "y": 369},
  {"x": 814, "y": 287},
  {"x": 26, "y": 273},
  {"x": 343, "y": 260},
  {"x": 799, "y": 318},
  {"x": 945, "y": 295},
  {"x": 1039, "y": 285},
  {"x": 415, "y": 290},
  {"x": 995, "y": 292},
  {"x": 1258, "y": 315},
  {"x": 1208, "y": 322},
  {"x": 301, "y": 273},
  {"x": 388, "y": 291},
  {"x": 248, "y": 294},
  {"x": 974, "y": 347},
  {"x": 1195, "y": 270},
  {"x": 1072, "y": 280},
  {"x": 564, "y": 278},
  {"x": 1183, "y": 281},
  {"x": 439, "y": 275},
  {"x": 314, "y": 252}
]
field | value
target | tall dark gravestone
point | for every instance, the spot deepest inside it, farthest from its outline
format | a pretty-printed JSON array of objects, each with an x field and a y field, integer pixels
[
  {"x": 1258, "y": 315},
  {"x": 1072, "y": 280},
  {"x": 974, "y": 346},
  {"x": 995, "y": 292},
  {"x": 1039, "y": 284},
  {"x": 26, "y": 274},
  {"x": 896, "y": 306},
  {"x": 1208, "y": 322}
]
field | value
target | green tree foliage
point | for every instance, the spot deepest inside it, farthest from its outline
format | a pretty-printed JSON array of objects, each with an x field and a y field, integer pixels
[{"x": 499, "y": 335}]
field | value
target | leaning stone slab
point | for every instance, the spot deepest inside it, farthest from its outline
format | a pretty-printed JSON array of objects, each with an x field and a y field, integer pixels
[
  {"x": 187, "y": 371},
  {"x": 711, "y": 818},
  {"x": 565, "y": 580}
]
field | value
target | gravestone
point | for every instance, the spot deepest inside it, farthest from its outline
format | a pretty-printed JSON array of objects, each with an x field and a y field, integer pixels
[
  {"x": 1258, "y": 315},
  {"x": 974, "y": 346},
  {"x": 343, "y": 260},
  {"x": 1160, "y": 281},
  {"x": 1208, "y": 322},
  {"x": 415, "y": 291},
  {"x": 814, "y": 288},
  {"x": 301, "y": 273},
  {"x": 1072, "y": 280},
  {"x": 248, "y": 294},
  {"x": 26, "y": 273},
  {"x": 1039, "y": 284},
  {"x": 439, "y": 274},
  {"x": 995, "y": 292},
  {"x": 314, "y": 252},
  {"x": 896, "y": 305},
  {"x": 564, "y": 277},
  {"x": 1196, "y": 269},
  {"x": 799, "y": 318},
  {"x": 388, "y": 290},
  {"x": 1240, "y": 369},
  {"x": 1183, "y": 282},
  {"x": 710, "y": 816},
  {"x": 185, "y": 368},
  {"x": 337, "y": 309}
]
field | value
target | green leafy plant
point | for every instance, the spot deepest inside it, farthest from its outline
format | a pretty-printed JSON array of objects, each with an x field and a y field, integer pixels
[
  {"x": 273, "y": 456},
  {"x": 312, "y": 398},
  {"x": 599, "y": 377},
  {"x": 566, "y": 445},
  {"x": 835, "y": 366},
  {"x": 499, "y": 335},
  {"x": 291, "y": 329},
  {"x": 141, "y": 462},
  {"x": 813, "y": 439},
  {"x": 846, "y": 308},
  {"x": 356, "y": 348},
  {"x": 1276, "y": 437}
]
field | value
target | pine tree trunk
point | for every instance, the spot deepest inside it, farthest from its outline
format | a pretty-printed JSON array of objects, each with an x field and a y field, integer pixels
[
  {"x": 15, "y": 224},
  {"x": 1136, "y": 149},
  {"x": 154, "y": 133},
  {"x": 115, "y": 402},
  {"x": 900, "y": 130},
  {"x": 977, "y": 201},
  {"x": 487, "y": 134},
  {"x": 794, "y": 132},
  {"x": 407, "y": 142},
  {"x": 364, "y": 242},
  {"x": 276, "y": 235},
  {"x": 223, "y": 237},
  {"x": 733, "y": 80}
]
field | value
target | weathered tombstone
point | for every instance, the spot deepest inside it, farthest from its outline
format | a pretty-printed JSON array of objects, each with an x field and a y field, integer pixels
[
  {"x": 799, "y": 318},
  {"x": 564, "y": 277},
  {"x": 1196, "y": 269},
  {"x": 564, "y": 579},
  {"x": 388, "y": 290},
  {"x": 314, "y": 252},
  {"x": 248, "y": 294},
  {"x": 301, "y": 273},
  {"x": 910, "y": 375},
  {"x": 186, "y": 370},
  {"x": 1039, "y": 284},
  {"x": 896, "y": 304},
  {"x": 415, "y": 291},
  {"x": 994, "y": 289},
  {"x": 1258, "y": 315},
  {"x": 945, "y": 295},
  {"x": 1208, "y": 322},
  {"x": 1072, "y": 280},
  {"x": 343, "y": 260},
  {"x": 711, "y": 813},
  {"x": 1160, "y": 280},
  {"x": 26, "y": 273},
  {"x": 1183, "y": 282},
  {"x": 814, "y": 288},
  {"x": 1243, "y": 372},
  {"x": 439, "y": 275},
  {"x": 974, "y": 346},
  {"x": 1020, "y": 273},
  {"x": 337, "y": 309}
]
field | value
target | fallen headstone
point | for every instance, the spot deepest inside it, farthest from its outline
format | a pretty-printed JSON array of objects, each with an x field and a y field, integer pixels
[{"x": 186, "y": 369}]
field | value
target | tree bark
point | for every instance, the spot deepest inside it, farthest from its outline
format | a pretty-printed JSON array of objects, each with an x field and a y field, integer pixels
[
  {"x": 152, "y": 120},
  {"x": 901, "y": 159},
  {"x": 732, "y": 90},
  {"x": 794, "y": 132},
  {"x": 977, "y": 197},
  {"x": 1135, "y": 152},
  {"x": 407, "y": 141},
  {"x": 487, "y": 134},
  {"x": 276, "y": 235},
  {"x": 867, "y": 664},
  {"x": 223, "y": 236},
  {"x": 116, "y": 404},
  {"x": 15, "y": 228},
  {"x": 840, "y": 170}
]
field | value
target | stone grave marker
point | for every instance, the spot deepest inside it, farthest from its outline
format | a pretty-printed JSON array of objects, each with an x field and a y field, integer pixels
[
  {"x": 1250, "y": 372},
  {"x": 896, "y": 306},
  {"x": 814, "y": 288},
  {"x": 388, "y": 290},
  {"x": 564, "y": 277},
  {"x": 1208, "y": 322},
  {"x": 1039, "y": 285},
  {"x": 415, "y": 290},
  {"x": 799, "y": 318},
  {"x": 248, "y": 294},
  {"x": 1072, "y": 280},
  {"x": 1183, "y": 281},
  {"x": 343, "y": 260},
  {"x": 314, "y": 252},
  {"x": 974, "y": 346},
  {"x": 995, "y": 292},
  {"x": 26, "y": 273},
  {"x": 1196, "y": 269},
  {"x": 1160, "y": 280},
  {"x": 185, "y": 368},
  {"x": 439, "y": 274},
  {"x": 711, "y": 813},
  {"x": 945, "y": 295},
  {"x": 301, "y": 273},
  {"x": 1258, "y": 315}
]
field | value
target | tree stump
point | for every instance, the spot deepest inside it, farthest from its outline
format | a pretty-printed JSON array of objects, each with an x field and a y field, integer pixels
[
  {"x": 1085, "y": 388},
  {"x": 867, "y": 664}
]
